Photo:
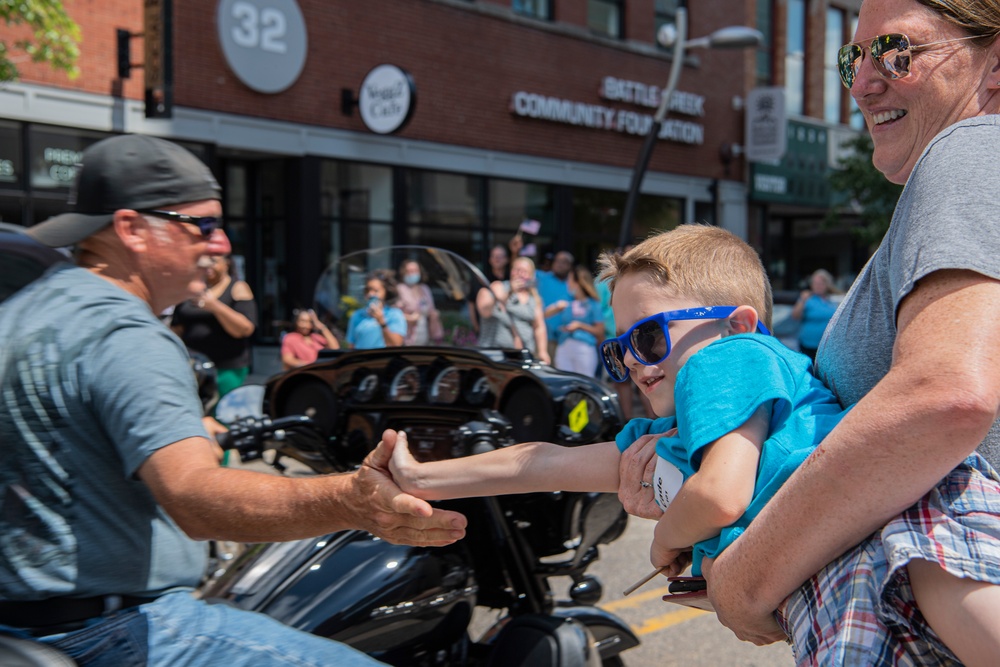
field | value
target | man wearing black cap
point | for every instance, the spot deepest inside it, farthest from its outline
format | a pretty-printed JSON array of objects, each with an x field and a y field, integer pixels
[{"x": 108, "y": 476}]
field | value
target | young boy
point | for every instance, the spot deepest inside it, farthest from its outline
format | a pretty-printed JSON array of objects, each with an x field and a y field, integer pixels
[
  {"x": 741, "y": 416},
  {"x": 738, "y": 413}
]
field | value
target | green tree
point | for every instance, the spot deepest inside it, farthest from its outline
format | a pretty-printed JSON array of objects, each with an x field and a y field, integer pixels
[
  {"x": 865, "y": 191},
  {"x": 54, "y": 36}
]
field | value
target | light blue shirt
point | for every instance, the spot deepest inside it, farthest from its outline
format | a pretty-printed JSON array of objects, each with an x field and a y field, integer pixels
[
  {"x": 718, "y": 390},
  {"x": 365, "y": 333},
  {"x": 551, "y": 289}
]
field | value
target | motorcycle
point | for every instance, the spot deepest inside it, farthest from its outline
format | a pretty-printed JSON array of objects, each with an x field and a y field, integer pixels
[
  {"x": 419, "y": 606},
  {"x": 412, "y": 605}
]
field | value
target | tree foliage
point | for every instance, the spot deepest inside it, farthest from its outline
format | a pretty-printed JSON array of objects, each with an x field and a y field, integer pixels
[
  {"x": 867, "y": 191},
  {"x": 54, "y": 40}
]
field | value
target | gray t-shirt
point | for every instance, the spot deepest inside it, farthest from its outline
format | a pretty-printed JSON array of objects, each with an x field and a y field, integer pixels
[
  {"x": 91, "y": 384},
  {"x": 946, "y": 218}
]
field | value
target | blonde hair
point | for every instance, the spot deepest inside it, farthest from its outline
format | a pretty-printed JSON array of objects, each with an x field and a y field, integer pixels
[
  {"x": 531, "y": 265},
  {"x": 977, "y": 17},
  {"x": 585, "y": 279},
  {"x": 700, "y": 262}
]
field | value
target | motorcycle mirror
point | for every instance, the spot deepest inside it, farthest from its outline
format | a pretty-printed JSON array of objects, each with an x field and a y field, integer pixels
[{"x": 242, "y": 402}]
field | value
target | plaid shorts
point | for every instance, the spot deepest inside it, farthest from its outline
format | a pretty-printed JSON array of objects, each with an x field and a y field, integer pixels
[{"x": 860, "y": 610}]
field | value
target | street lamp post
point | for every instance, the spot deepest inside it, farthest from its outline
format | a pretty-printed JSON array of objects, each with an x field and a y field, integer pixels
[{"x": 732, "y": 37}]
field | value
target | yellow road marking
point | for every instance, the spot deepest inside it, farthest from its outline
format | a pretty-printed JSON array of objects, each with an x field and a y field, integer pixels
[
  {"x": 666, "y": 620},
  {"x": 635, "y": 600},
  {"x": 657, "y": 622}
]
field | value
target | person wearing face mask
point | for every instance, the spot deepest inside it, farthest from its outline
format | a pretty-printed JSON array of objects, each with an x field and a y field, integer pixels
[{"x": 423, "y": 321}]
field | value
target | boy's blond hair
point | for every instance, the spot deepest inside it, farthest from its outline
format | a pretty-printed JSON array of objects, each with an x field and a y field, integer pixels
[{"x": 700, "y": 262}]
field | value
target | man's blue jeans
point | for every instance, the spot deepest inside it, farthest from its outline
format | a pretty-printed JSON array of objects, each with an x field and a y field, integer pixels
[{"x": 178, "y": 630}]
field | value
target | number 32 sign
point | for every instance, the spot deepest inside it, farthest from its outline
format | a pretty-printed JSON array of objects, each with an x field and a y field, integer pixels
[{"x": 264, "y": 42}]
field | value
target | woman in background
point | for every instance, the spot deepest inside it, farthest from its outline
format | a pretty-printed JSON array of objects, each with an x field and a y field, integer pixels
[
  {"x": 302, "y": 346},
  {"x": 377, "y": 325},
  {"x": 814, "y": 309},
  {"x": 219, "y": 323},
  {"x": 423, "y": 321},
  {"x": 510, "y": 312},
  {"x": 580, "y": 325}
]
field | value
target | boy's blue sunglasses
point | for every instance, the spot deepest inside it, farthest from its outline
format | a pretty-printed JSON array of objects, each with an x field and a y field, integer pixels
[{"x": 649, "y": 339}]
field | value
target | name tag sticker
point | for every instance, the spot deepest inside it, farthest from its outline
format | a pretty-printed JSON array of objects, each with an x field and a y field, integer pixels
[{"x": 667, "y": 480}]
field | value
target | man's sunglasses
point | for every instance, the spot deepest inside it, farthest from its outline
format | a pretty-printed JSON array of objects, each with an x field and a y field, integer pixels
[
  {"x": 649, "y": 339},
  {"x": 206, "y": 223},
  {"x": 890, "y": 55}
]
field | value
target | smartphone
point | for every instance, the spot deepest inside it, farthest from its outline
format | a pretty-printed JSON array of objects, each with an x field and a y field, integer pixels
[{"x": 687, "y": 584}]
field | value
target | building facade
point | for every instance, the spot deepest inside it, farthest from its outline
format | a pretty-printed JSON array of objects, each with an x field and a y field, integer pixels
[{"x": 336, "y": 125}]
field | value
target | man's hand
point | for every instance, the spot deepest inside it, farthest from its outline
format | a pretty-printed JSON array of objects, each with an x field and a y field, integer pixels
[
  {"x": 385, "y": 511},
  {"x": 635, "y": 476},
  {"x": 735, "y": 611}
]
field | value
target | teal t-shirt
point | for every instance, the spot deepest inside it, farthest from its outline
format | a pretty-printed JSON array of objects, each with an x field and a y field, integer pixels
[
  {"x": 717, "y": 390},
  {"x": 91, "y": 384}
]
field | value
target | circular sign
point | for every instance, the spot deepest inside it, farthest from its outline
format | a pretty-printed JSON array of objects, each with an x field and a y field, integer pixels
[
  {"x": 264, "y": 42},
  {"x": 387, "y": 99}
]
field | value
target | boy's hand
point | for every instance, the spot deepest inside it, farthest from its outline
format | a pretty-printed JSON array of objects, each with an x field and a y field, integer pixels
[{"x": 673, "y": 561}]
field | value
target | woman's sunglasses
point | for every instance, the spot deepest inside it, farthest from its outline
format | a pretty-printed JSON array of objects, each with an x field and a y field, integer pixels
[
  {"x": 649, "y": 339},
  {"x": 890, "y": 55}
]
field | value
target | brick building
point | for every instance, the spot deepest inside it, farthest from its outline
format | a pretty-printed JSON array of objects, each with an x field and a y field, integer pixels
[{"x": 336, "y": 125}]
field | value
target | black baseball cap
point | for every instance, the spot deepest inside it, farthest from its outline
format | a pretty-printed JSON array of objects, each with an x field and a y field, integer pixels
[{"x": 132, "y": 171}]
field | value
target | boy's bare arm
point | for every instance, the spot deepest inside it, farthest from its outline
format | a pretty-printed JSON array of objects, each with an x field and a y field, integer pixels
[
  {"x": 716, "y": 495},
  {"x": 525, "y": 468}
]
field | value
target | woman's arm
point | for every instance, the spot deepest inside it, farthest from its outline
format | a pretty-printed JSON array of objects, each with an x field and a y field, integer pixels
[
  {"x": 542, "y": 336},
  {"x": 526, "y": 468},
  {"x": 931, "y": 410},
  {"x": 233, "y": 322},
  {"x": 800, "y": 304},
  {"x": 486, "y": 299},
  {"x": 330, "y": 340}
]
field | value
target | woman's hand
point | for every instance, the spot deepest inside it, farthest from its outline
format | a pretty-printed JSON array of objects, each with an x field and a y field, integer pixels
[{"x": 635, "y": 476}]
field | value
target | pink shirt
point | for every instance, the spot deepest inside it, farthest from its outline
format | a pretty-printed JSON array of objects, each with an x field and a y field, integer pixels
[{"x": 301, "y": 347}]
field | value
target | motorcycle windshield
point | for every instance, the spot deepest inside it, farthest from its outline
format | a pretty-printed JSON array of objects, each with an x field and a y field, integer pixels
[{"x": 440, "y": 297}]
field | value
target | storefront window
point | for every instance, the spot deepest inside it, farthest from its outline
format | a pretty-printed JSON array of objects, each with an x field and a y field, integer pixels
[
  {"x": 597, "y": 217},
  {"x": 356, "y": 207},
  {"x": 513, "y": 202},
  {"x": 11, "y": 161},
  {"x": 445, "y": 210},
  {"x": 55, "y": 152}
]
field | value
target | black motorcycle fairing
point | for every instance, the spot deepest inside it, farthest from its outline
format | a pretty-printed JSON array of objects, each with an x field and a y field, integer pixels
[{"x": 356, "y": 589}]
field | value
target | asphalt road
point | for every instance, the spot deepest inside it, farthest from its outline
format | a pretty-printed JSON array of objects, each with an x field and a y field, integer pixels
[{"x": 671, "y": 634}]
